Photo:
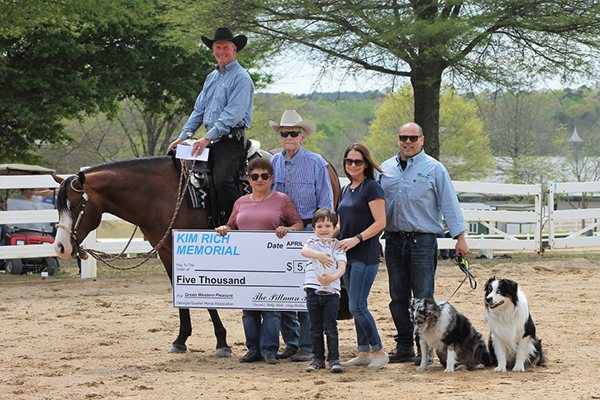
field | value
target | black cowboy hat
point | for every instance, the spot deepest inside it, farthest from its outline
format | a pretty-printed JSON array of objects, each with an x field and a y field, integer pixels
[{"x": 224, "y": 33}]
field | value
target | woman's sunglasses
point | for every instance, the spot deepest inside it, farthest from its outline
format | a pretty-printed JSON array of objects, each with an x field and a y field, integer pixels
[
  {"x": 349, "y": 161},
  {"x": 293, "y": 134},
  {"x": 264, "y": 176}
]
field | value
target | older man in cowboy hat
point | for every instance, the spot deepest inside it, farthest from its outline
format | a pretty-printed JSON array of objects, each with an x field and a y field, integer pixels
[
  {"x": 302, "y": 175},
  {"x": 224, "y": 107}
]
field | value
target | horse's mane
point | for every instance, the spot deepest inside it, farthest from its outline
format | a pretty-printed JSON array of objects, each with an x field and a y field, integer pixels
[{"x": 132, "y": 163}]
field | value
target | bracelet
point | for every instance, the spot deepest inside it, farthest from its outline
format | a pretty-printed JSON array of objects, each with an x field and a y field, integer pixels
[{"x": 359, "y": 237}]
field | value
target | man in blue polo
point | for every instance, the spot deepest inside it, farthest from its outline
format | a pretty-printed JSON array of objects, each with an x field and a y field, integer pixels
[
  {"x": 418, "y": 191},
  {"x": 224, "y": 107},
  {"x": 302, "y": 175}
]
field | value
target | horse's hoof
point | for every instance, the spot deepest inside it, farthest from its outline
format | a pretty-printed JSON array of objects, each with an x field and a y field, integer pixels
[
  {"x": 224, "y": 352},
  {"x": 178, "y": 348}
]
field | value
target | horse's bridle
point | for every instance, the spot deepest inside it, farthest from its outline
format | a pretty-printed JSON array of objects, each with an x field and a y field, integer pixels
[{"x": 84, "y": 199}]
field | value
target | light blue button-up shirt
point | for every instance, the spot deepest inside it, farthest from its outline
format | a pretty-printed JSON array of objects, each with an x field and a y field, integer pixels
[
  {"x": 416, "y": 198},
  {"x": 224, "y": 103},
  {"x": 305, "y": 178}
]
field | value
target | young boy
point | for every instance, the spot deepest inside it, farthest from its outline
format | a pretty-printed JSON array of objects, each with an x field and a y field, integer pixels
[{"x": 323, "y": 289}]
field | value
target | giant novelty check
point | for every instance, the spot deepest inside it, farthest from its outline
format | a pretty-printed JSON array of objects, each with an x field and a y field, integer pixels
[{"x": 244, "y": 269}]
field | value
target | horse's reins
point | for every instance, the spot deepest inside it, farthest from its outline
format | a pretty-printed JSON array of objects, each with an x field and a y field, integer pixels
[
  {"x": 97, "y": 254},
  {"x": 464, "y": 266}
]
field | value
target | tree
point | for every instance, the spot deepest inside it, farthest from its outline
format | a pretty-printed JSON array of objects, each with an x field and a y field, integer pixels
[
  {"x": 423, "y": 40},
  {"x": 464, "y": 147},
  {"x": 522, "y": 123},
  {"x": 90, "y": 63}
]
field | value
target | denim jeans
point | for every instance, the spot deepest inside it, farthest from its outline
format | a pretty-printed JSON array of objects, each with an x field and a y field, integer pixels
[
  {"x": 411, "y": 263},
  {"x": 262, "y": 331},
  {"x": 322, "y": 311},
  {"x": 359, "y": 279},
  {"x": 295, "y": 327}
]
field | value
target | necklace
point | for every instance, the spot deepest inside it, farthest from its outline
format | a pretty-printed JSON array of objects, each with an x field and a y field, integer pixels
[
  {"x": 359, "y": 187},
  {"x": 261, "y": 200}
]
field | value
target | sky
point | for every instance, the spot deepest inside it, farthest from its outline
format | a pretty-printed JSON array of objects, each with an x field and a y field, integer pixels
[{"x": 303, "y": 77}]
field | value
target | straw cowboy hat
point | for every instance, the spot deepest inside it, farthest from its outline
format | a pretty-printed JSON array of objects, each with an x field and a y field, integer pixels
[
  {"x": 224, "y": 33},
  {"x": 291, "y": 118}
]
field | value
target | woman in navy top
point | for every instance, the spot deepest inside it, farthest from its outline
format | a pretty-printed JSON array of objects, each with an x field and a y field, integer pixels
[{"x": 362, "y": 218}]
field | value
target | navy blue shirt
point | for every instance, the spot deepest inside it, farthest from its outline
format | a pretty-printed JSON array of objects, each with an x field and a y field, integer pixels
[{"x": 355, "y": 217}]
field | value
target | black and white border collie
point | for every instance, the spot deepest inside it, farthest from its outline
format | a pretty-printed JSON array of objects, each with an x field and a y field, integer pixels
[
  {"x": 512, "y": 332},
  {"x": 450, "y": 333}
]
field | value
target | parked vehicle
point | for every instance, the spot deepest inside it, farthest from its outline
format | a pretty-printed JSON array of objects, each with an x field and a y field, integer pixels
[{"x": 26, "y": 233}]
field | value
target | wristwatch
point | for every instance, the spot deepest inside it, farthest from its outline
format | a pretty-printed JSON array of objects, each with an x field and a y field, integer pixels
[{"x": 359, "y": 237}]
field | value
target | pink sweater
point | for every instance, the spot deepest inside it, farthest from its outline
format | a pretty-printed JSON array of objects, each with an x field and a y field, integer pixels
[{"x": 267, "y": 215}]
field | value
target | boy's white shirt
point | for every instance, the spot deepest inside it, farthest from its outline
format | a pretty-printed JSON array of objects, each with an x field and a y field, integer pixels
[{"x": 310, "y": 279}]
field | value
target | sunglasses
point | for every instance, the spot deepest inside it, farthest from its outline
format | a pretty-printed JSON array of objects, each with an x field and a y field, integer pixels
[
  {"x": 404, "y": 138},
  {"x": 293, "y": 134},
  {"x": 264, "y": 176},
  {"x": 349, "y": 161}
]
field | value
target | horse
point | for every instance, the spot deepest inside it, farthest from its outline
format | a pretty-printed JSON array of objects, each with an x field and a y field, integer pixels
[{"x": 143, "y": 192}]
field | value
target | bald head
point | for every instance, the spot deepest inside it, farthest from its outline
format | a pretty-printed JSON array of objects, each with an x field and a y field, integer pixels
[{"x": 410, "y": 140}]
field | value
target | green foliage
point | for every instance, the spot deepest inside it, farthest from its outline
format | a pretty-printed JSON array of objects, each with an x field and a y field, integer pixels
[
  {"x": 522, "y": 123},
  {"x": 84, "y": 57},
  {"x": 464, "y": 147},
  {"x": 339, "y": 123}
]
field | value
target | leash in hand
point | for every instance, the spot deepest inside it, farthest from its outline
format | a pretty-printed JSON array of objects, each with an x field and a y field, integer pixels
[{"x": 465, "y": 267}]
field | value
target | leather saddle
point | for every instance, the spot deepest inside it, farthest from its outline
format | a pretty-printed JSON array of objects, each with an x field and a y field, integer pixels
[{"x": 201, "y": 189}]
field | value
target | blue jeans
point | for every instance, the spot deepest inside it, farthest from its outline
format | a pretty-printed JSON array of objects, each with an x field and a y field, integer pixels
[
  {"x": 295, "y": 330},
  {"x": 295, "y": 327},
  {"x": 411, "y": 263},
  {"x": 262, "y": 337},
  {"x": 322, "y": 311},
  {"x": 359, "y": 279}
]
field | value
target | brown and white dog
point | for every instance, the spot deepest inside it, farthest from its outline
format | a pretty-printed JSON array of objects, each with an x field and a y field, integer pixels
[{"x": 513, "y": 342}]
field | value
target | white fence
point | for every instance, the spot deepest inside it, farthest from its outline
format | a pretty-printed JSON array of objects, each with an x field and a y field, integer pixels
[
  {"x": 496, "y": 239},
  {"x": 581, "y": 237},
  {"x": 89, "y": 266}
]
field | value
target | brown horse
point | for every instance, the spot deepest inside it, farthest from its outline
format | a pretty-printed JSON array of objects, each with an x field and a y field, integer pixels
[{"x": 144, "y": 193}]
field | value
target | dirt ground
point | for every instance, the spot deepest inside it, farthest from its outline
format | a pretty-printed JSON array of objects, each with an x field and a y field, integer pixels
[{"x": 108, "y": 339}]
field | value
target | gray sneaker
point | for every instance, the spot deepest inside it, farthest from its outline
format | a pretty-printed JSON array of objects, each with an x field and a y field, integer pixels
[
  {"x": 335, "y": 367},
  {"x": 302, "y": 355}
]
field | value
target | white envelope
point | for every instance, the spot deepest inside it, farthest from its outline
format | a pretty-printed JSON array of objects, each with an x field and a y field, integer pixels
[{"x": 185, "y": 153}]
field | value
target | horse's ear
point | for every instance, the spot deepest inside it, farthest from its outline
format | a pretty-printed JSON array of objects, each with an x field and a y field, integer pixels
[
  {"x": 57, "y": 178},
  {"x": 81, "y": 178}
]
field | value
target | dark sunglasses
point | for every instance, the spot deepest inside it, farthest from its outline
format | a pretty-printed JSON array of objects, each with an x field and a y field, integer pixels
[
  {"x": 293, "y": 134},
  {"x": 264, "y": 176},
  {"x": 349, "y": 161},
  {"x": 404, "y": 138}
]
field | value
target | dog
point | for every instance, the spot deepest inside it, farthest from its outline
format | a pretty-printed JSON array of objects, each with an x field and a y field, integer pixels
[
  {"x": 450, "y": 333},
  {"x": 512, "y": 339}
]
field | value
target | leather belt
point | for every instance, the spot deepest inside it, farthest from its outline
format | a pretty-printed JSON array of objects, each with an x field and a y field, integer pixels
[
  {"x": 307, "y": 222},
  {"x": 238, "y": 134},
  {"x": 407, "y": 234}
]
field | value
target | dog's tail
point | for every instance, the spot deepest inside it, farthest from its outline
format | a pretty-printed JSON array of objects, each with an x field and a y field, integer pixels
[
  {"x": 485, "y": 357},
  {"x": 540, "y": 358}
]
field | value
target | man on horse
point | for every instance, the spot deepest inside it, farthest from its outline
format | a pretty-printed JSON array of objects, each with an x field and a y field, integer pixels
[
  {"x": 224, "y": 107},
  {"x": 302, "y": 175}
]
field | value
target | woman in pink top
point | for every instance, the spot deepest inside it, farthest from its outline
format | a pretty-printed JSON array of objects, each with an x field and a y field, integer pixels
[{"x": 262, "y": 210}]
